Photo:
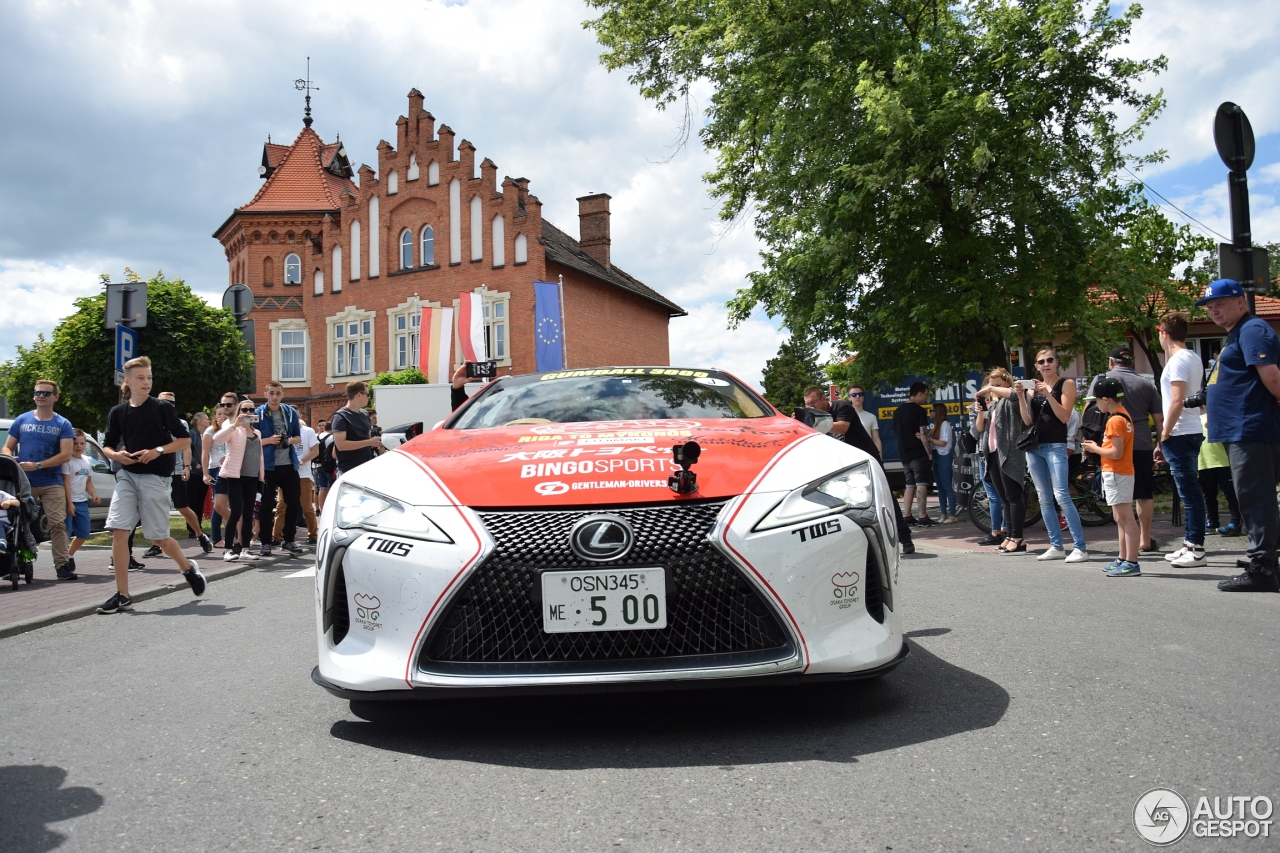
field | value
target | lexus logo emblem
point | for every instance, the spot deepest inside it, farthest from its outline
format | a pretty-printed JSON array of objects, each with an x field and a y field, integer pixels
[{"x": 600, "y": 538}]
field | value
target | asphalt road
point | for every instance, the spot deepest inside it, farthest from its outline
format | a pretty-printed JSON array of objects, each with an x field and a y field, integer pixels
[{"x": 1037, "y": 705}]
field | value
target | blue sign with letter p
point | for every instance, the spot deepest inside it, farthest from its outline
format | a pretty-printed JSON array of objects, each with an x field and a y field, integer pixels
[{"x": 126, "y": 345}]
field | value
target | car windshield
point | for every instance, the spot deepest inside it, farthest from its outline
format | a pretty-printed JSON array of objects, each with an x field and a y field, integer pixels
[{"x": 610, "y": 394}]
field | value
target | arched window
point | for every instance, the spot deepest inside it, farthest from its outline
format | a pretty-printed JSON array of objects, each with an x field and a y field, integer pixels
[
  {"x": 433, "y": 173},
  {"x": 406, "y": 249},
  {"x": 477, "y": 229},
  {"x": 522, "y": 249},
  {"x": 318, "y": 282},
  {"x": 455, "y": 221},
  {"x": 412, "y": 173},
  {"x": 428, "y": 246},
  {"x": 292, "y": 269},
  {"x": 393, "y": 183},
  {"x": 268, "y": 272},
  {"x": 499, "y": 243}
]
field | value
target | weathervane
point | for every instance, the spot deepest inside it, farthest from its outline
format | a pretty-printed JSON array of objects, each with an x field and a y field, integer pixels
[{"x": 305, "y": 86}]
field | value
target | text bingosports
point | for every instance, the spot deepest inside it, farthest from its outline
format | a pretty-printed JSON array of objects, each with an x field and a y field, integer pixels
[
  {"x": 388, "y": 546},
  {"x": 816, "y": 531}
]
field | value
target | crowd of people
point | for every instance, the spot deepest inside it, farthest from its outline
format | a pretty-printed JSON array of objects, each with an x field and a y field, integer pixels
[
  {"x": 268, "y": 470},
  {"x": 1218, "y": 434}
]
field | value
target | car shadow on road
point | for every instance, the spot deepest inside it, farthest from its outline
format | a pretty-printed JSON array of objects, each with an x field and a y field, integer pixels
[
  {"x": 34, "y": 797},
  {"x": 191, "y": 608},
  {"x": 924, "y": 699}
]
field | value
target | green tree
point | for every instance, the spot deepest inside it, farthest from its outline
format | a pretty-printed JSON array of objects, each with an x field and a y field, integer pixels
[
  {"x": 196, "y": 351},
  {"x": 408, "y": 376},
  {"x": 792, "y": 370},
  {"x": 18, "y": 376},
  {"x": 1134, "y": 263},
  {"x": 914, "y": 168}
]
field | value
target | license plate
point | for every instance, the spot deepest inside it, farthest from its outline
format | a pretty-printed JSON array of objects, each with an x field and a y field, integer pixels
[{"x": 604, "y": 600}]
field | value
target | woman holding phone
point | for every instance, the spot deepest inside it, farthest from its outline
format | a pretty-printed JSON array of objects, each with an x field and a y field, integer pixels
[
  {"x": 244, "y": 470},
  {"x": 1055, "y": 400},
  {"x": 1008, "y": 414}
]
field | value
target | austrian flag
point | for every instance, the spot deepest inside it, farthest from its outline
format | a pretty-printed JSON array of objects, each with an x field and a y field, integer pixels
[{"x": 471, "y": 326}]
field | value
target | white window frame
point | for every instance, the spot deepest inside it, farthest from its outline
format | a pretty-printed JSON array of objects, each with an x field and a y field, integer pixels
[
  {"x": 406, "y": 242},
  {"x": 295, "y": 324},
  {"x": 292, "y": 260},
  {"x": 365, "y": 341},
  {"x": 491, "y": 298},
  {"x": 410, "y": 311},
  {"x": 428, "y": 258}
]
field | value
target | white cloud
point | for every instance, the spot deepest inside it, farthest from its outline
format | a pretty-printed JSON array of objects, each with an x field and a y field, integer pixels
[{"x": 38, "y": 295}]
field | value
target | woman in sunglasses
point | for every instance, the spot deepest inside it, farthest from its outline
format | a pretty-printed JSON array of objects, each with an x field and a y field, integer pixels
[
  {"x": 244, "y": 470},
  {"x": 1055, "y": 399},
  {"x": 214, "y": 452}
]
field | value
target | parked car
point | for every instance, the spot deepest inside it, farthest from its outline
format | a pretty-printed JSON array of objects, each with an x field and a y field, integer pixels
[{"x": 104, "y": 482}]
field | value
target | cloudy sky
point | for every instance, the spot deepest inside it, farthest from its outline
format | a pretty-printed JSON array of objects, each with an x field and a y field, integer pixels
[{"x": 132, "y": 129}]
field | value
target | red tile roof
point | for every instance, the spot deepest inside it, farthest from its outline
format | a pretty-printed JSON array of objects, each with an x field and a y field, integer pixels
[{"x": 300, "y": 181}]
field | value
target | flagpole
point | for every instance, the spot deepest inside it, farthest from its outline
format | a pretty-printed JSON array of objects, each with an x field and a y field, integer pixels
[{"x": 564, "y": 336}]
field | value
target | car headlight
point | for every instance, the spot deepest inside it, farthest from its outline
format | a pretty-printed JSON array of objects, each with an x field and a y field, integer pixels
[
  {"x": 365, "y": 510},
  {"x": 852, "y": 488}
]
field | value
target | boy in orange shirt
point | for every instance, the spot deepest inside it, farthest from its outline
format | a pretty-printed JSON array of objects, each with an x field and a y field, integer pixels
[{"x": 1116, "y": 452}]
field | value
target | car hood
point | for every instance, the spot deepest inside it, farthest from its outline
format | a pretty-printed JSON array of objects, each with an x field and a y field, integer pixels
[{"x": 615, "y": 462}]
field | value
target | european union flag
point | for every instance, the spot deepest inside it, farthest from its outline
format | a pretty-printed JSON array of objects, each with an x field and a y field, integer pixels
[{"x": 548, "y": 327}]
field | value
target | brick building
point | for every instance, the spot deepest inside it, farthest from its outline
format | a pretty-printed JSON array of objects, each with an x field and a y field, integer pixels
[{"x": 341, "y": 267}]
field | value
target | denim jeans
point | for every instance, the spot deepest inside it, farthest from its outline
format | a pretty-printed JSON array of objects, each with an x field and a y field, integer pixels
[
  {"x": 993, "y": 497},
  {"x": 1182, "y": 452},
  {"x": 1048, "y": 464},
  {"x": 942, "y": 478}
]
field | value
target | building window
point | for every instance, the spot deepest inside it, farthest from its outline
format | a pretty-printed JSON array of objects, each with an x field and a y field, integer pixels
[
  {"x": 351, "y": 344},
  {"x": 412, "y": 173},
  {"x": 318, "y": 280},
  {"x": 336, "y": 271},
  {"x": 292, "y": 269},
  {"x": 393, "y": 183},
  {"x": 428, "y": 246},
  {"x": 404, "y": 321},
  {"x": 499, "y": 243},
  {"x": 433, "y": 173},
  {"x": 290, "y": 352},
  {"x": 375, "y": 229},
  {"x": 268, "y": 272},
  {"x": 406, "y": 249},
  {"x": 293, "y": 356},
  {"x": 477, "y": 229},
  {"x": 455, "y": 222},
  {"x": 495, "y": 328},
  {"x": 522, "y": 249}
]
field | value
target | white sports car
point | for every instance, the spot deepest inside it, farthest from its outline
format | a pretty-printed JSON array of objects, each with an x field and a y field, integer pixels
[{"x": 605, "y": 529}]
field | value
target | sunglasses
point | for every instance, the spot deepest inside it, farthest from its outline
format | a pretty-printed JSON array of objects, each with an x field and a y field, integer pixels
[
  {"x": 226, "y": 405},
  {"x": 246, "y": 411},
  {"x": 857, "y": 394},
  {"x": 44, "y": 393},
  {"x": 1049, "y": 360}
]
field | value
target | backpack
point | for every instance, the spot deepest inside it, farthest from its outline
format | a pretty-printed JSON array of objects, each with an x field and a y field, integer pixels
[
  {"x": 1093, "y": 421},
  {"x": 327, "y": 458}
]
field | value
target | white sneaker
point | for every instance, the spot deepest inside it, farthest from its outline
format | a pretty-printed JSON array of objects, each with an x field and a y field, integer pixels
[
  {"x": 1191, "y": 557},
  {"x": 230, "y": 556},
  {"x": 1174, "y": 555},
  {"x": 1078, "y": 556},
  {"x": 1052, "y": 554}
]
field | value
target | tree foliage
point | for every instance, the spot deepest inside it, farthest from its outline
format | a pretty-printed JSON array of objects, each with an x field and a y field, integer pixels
[
  {"x": 1140, "y": 267},
  {"x": 408, "y": 376},
  {"x": 196, "y": 351},
  {"x": 792, "y": 370},
  {"x": 916, "y": 169}
]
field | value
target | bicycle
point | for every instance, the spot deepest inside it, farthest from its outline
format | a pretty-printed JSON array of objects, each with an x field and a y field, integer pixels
[{"x": 979, "y": 506}]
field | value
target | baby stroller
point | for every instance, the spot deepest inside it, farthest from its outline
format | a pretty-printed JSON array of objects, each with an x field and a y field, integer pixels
[{"x": 23, "y": 538}]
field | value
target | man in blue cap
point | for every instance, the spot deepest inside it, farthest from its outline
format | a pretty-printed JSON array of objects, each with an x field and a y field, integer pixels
[{"x": 1243, "y": 398}]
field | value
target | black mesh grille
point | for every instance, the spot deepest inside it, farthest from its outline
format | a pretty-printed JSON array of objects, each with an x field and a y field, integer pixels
[
  {"x": 340, "y": 614},
  {"x": 711, "y": 608}
]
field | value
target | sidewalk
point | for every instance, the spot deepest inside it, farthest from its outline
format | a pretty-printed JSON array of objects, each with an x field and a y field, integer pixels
[{"x": 49, "y": 600}]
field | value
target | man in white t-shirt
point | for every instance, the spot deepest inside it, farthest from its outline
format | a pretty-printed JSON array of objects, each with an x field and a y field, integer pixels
[
  {"x": 1181, "y": 435},
  {"x": 870, "y": 423},
  {"x": 307, "y": 452}
]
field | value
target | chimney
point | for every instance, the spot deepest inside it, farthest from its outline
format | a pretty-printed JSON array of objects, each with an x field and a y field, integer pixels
[
  {"x": 522, "y": 194},
  {"x": 593, "y": 226}
]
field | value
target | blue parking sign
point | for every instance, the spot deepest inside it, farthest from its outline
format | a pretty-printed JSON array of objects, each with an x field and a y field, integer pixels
[{"x": 126, "y": 345}]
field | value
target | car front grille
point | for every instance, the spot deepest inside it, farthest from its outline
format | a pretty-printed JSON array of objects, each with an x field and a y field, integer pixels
[{"x": 714, "y": 615}]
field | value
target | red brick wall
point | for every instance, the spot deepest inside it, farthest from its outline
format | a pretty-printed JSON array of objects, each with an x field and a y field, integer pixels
[{"x": 605, "y": 325}]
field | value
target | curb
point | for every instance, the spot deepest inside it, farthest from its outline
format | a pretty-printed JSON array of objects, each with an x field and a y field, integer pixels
[{"x": 71, "y": 613}]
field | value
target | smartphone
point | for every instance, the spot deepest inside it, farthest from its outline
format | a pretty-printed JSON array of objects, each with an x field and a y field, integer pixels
[
  {"x": 482, "y": 369},
  {"x": 1027, "y": 384}
]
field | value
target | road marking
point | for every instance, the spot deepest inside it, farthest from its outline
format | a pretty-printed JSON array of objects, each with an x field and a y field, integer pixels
[{"x": 305, "y": 573}]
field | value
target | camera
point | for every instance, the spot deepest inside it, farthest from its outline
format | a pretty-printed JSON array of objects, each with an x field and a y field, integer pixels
[
  {"x": 1195, "y": 401},
  {"x": 482, "y": 369}
]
